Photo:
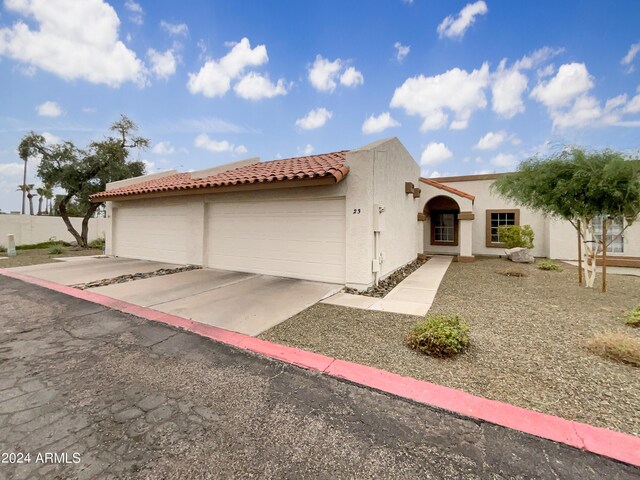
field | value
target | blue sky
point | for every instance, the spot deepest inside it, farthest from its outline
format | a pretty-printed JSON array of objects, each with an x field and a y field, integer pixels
[{"x": 468, "y": 87}]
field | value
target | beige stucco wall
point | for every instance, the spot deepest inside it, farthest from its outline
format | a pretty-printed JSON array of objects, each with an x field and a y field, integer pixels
[
  {"x": 486, "y": 200},
  {"x": 564, "y": 245},
  {"x": 29, "y": 229},
  {"x": 377, "y": 174}
]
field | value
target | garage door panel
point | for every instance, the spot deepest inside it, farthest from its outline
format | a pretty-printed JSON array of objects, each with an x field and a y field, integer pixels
[
  {"x": 157, "y": 232},
  {"x": 304, "y": 239}
]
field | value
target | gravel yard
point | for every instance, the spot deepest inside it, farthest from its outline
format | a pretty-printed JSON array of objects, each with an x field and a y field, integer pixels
[
  {"x": 527, "y": 335},
  {"x": 42, "y": 255}
]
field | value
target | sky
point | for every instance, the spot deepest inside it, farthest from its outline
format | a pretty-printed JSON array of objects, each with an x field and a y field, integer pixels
[{"x": 467, "y": 87}]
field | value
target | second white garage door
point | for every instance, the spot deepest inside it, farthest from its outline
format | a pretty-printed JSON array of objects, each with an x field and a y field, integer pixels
[
  {"x": 151, "y": 232},
  {"x": 295, "y": 238}
]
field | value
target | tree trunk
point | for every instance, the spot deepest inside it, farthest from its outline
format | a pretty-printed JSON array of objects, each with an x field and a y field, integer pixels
[
  {"x": 590, "y": 252},
  {"x": 579, "y": 255},
  {"x": 24, "y": 188},
  {"x": 85, "y": 222},
  {"x": 604, "y": 255},
  {"x": 30, "y": 197},
  {"x": 62, "y": 208},
  {"x": 40, "y": 205}
]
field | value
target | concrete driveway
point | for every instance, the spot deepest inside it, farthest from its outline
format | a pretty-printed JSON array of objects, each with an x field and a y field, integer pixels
[{"x": 242, "y": 302}]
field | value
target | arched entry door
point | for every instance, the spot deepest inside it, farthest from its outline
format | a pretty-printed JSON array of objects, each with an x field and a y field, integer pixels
[{"x": 442, "y": 226}]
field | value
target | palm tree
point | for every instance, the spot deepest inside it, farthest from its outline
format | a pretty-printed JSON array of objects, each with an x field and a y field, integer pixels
[
  {"x": 40, "y": 191},
  {"x": 24, "y": 184},
  {"x": 48, "y": 194},
  {"x": 26, "y": 190}
]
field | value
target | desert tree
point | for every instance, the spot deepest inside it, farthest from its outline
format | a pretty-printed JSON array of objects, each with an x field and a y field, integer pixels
[
  {"x": 579, "y": 186},
  {"x": 81, "y": 172}
]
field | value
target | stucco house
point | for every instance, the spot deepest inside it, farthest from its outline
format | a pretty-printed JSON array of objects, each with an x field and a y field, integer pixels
[{"x": 348, "y": 217}]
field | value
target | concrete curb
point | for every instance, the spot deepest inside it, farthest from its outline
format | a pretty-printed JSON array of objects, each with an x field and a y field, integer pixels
[{"x": 616, "y": 445}]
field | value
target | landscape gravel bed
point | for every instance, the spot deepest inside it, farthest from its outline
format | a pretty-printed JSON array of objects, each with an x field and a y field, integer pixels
[
  {"x": 389, "y": 283},
  {"x": 528, "y": 338},
  {"x": 135, "y": 276},
  {"x": 41, "y": 255}
]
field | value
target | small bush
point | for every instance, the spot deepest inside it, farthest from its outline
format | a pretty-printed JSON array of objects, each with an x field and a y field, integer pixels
[
  {"x": 633, "y": 318},
  {"x": 56, "y": 249},
  {"x": 439, "y": 335},
  {"x": 549, "y": 265},
  {"x": 516, "y": 236},
  {"x": 97, "y": 243},
  {"x": 514, "y": 272},
  {"x": 35, "y": 246},
  {"x": 3, "y": 249},
  {"x": 618, "y": 346}
]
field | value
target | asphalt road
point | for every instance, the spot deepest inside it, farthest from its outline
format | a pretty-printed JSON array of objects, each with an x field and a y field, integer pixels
[{"x": 115, "y": 396}]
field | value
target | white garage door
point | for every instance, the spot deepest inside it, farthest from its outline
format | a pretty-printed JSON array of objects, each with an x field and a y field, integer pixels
[
  {"x": 151, "y": 232},
  {"x": 296, "y": 238}
]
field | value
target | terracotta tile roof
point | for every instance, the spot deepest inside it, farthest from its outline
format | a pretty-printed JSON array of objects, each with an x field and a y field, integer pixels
[
  {"x": 447, "y": 188},
  {"x": 313, "y": 166}
]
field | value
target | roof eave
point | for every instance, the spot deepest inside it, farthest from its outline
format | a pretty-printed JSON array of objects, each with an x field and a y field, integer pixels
[{"x": 335, "y": 176}]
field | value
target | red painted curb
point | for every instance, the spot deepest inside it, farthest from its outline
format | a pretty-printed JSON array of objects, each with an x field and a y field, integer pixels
[{"x": 616, "y": 445}]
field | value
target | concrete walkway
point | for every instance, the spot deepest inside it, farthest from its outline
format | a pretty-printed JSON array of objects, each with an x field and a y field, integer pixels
[
  {"x": 413, "y": 296},
  {"x": 613, "y": 270}
]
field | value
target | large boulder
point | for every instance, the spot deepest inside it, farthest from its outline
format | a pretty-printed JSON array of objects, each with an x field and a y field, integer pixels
[{"x": 519, "y": 255}]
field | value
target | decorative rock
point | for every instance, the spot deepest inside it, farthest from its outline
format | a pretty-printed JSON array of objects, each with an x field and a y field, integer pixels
[
  {"x": 519, "y": 255},
  {"x": 152, "y": 401},
  {"x": 128, "y": 414}
]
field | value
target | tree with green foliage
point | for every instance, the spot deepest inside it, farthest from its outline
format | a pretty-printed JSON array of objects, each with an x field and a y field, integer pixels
[
  {"x": 83, "y": 172},
  {"x": 579, "y": 186}
]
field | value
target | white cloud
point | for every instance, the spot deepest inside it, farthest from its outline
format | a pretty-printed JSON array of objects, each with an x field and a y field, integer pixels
[
  {"x": 378, "y": 124},
  {"x": 73, "y": 40},
  {"x": 11, "y": 169},
  {"x": 509, "y": 83},
  {"x": 434, "y": 154},
  {"x": 351, "y": 77},
  {"x": 214, "y": 78},
  {"x": 217, "y": 146},
  {"x": 455, "y": 27},
  {"x": 163, "y": 148},
  {"x": 163, "y": 65},
  {"x": 401, "y": 51},
  {"x": 628, "y": 59},
  {"x": 51, "y": 139},
  {"x": 175, "y": 29},
  {"x": 506, "y": 90},
  {"x": 572, "y": 80},
  {"x": 457, "y": 90},
  {"x": 325, "y": 74},
  {"x": 491, "y": 140},
  {"x": 136, "y": 12},
  {"x": 504, "y": 160},
  {"x": 254, "y": 86},
  {"x": 49, "y": 109},
  {"x": 566, "y": 96},
  {"x": 634, "y": 105},
  {"x": 307, "y": 150},
  {"x": 316, "y": 118}
]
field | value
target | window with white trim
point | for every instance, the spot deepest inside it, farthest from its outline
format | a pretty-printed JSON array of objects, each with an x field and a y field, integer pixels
[{"x": 615, "y": 238}]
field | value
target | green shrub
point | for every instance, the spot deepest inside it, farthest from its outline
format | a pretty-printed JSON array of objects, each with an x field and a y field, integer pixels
[
  {"x": 56, "y": 249},
  {"x": 516, "y": 236},
  {"x": 439, "y": 335},
  {"x": 97, "y": 243},
  {"x": 34, "y": 246},
  {"x": 633, "y": 318},
  {"x": 3, "y": 249},
  {"x": 549, "y": 265}
]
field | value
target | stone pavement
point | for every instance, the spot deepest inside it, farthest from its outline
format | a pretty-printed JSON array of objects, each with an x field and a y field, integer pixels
[
  {"x": 137, "y": 399},
  {"x": 412, "y": 296}
]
